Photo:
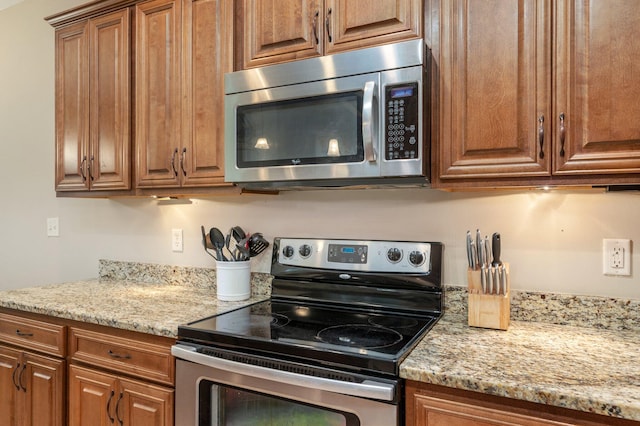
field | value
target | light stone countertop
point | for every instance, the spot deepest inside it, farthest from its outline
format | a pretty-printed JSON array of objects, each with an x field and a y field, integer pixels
[
  {"x": 593, "y": 367},
  {"x": 580, "y": 368},
  {"x": 144, "y": 307}
]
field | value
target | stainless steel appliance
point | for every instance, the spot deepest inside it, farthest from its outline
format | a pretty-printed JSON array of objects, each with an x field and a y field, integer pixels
[
  {"x": 324, "y": 349},
  {"x": 354, "y": 118}
]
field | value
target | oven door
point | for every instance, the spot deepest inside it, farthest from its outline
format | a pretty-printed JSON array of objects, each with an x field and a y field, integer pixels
[{"x": 213, "y": 392}]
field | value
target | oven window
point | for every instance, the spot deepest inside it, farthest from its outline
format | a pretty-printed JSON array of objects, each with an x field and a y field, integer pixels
[
  {"x": 221, "y": 405},
  {"x": 316, "y": 130}
]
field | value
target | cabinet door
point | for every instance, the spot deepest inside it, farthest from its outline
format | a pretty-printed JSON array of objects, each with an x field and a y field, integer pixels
[
  {"x": 430, "y": 411},
  {"x": 43, "y": 384},
  {"x": 597, "y": 90},
  {"x": 493, "y": 59},
  {"x": 353, "y": 24},
  {"x": 109, "y": 102},
  {"x": 157, "y": 65},
  {"x": 207, "y": 55},
  {"x": 92, "y": 397},
  {"x": 143, "y": 404},
  {"x": 8, "y": 401},
  {"x": 279, "y": 30},
  {"x": 72, "y": 113}
]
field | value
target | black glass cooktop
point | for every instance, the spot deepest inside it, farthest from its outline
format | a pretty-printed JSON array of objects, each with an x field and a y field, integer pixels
[{"x": 346, "y": 338}]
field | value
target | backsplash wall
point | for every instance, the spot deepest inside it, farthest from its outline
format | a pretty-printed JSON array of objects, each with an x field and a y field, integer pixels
[{"x": 552, "y": 240}]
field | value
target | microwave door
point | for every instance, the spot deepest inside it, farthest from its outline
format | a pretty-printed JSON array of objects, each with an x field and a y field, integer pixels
[{"x": 319, "y": 130}]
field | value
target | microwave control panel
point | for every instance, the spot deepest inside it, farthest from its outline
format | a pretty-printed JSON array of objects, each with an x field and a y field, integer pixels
[{"x": 401, "y": 122}]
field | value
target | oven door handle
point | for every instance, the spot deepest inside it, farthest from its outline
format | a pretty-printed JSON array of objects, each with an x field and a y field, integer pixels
[
  {"x": 368, "y": 121},
  {"x": 366, "y": 389}
]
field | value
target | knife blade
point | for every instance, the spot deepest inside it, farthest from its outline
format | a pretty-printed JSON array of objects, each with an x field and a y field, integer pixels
[{"x": 469, "y": 252}]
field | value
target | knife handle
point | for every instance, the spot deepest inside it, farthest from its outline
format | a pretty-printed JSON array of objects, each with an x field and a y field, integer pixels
[{"x": 495, "y": 249}]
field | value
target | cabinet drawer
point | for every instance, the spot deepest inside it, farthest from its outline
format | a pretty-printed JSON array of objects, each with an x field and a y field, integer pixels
[
  {"x": 133, "y": 356},
  {"x": 32, "y": 334}
]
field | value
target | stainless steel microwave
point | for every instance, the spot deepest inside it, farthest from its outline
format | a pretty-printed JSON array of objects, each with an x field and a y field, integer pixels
[{"x": 349, "y": 119}]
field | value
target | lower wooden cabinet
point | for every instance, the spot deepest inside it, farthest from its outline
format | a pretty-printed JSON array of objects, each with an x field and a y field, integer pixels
[
  {"x": 101, "y": 398},
  {"x": 431, "y": 405},
  {"x": 120, "y": 378},
  {"x": 32, "y": 388}
]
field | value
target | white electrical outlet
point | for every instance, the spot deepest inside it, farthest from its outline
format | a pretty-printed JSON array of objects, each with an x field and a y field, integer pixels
[
  {"x": 616, "y": 257},
  {"x": 176, "y": 240},
  {"x": 53, "y": 227}
]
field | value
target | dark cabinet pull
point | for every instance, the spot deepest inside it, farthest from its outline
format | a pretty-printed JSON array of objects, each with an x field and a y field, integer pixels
[
  {"x": 182, "y": 159},
  {"x": 23, "y": 334},
  {"x": 118, "y": 409},
  {"x": 23, "y": 387},
  {"x": 13, "y": 377},
  {"x": 83, "y": 164},
  {"x": 111, "y": 419},
  {"x": 327, "y": 23},
  {"x": 112, "y": 354},
  {"x": 563, "y": 132},
  {"x": 91, "y": 168},
  {"x": 173, "y": 162},
  {"x": 541, "y": 135},
  {"x": 315, "y": 26}
]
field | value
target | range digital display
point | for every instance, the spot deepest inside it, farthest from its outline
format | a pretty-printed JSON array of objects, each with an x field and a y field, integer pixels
[{"x": 342, "y": 253}]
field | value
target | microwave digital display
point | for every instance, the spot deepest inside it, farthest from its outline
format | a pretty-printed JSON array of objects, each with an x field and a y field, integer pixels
[{"x": 401, "y": 92}]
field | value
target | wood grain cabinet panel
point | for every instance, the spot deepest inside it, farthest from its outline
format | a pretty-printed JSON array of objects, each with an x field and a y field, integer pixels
[
  {"x": 93, "y": 145},
  {"x": 433, "y": 405},
  {"x": 157, "y": 82},
  {"x": 597, "y": 88},
  {"x": 535, "y": 92},
  {"x": 33, "y": 334},
  {"x": 32, "y": 385},
  {"x": 494, "y": 82},
  {"x": 270, "y": 32},
  {"x": 136, "y": 357},
  {"x": 207, "y": 55},
  {"x": 183, "y": 49}
]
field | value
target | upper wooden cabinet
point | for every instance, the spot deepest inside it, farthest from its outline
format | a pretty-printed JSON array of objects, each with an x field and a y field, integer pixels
[
  {"x": 140, "y": 95},
  {"x": 518, "y": 100},
  {"x": 182, "y": 52},
  {"x": 93, "y": 145},
  {"x": 271, "y": 31}
]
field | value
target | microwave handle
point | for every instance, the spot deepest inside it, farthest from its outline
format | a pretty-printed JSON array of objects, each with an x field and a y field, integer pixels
[{"x": 367, "y": 120}]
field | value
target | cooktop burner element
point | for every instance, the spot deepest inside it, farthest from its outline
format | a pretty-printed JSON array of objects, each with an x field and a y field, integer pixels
[
  {"x": 360, "y": 336},
  {"x": 350, "y": 305}
]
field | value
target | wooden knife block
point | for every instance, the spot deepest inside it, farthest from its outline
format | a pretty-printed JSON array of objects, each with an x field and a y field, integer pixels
[{"x": 488, "y": 310}]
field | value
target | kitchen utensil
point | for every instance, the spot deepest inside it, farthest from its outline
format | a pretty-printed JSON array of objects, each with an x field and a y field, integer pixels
[
  {"x": 257, "y": 244},
  {"x": 479, "y": 248},
  {"x": 243, "y": 251},
  {"x": 218, "y": 240},
  {"x": 495, "y": 247},
  {"x": 206, "y": 242}
]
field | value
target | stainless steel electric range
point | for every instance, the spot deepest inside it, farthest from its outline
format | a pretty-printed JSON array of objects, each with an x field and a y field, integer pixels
[{"x": 325, "y": 349}]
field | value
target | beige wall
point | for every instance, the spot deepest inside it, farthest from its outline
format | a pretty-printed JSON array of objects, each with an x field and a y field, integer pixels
[{"x": 552, "y": 240}]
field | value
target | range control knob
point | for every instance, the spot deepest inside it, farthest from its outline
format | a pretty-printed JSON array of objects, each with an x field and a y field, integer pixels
[
  {"x": 394, "y": 255},
  {"x": 305, "y": 250},
  {"x": 416, "y": 258},
  {"x": 287, "y": 251}
]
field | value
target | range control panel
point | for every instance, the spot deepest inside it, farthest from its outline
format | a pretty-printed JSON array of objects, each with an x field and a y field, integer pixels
[{"x": 355, "y": 255}]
